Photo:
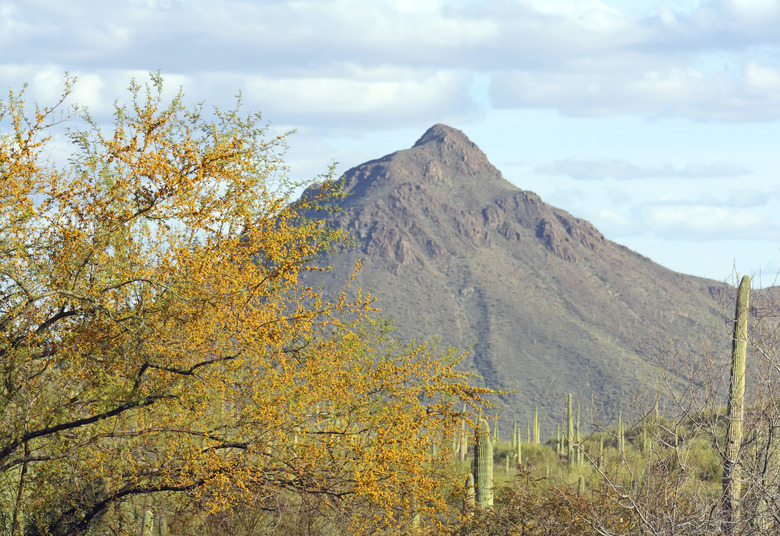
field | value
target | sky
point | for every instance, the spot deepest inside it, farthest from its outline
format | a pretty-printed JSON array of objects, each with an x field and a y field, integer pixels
[{"x": 659, "y": 122}]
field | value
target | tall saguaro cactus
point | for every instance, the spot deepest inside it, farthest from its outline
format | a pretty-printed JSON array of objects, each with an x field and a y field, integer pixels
[
  {"x": 732, "y": 486},
  {"x": 464, "y": 440},
  {"x": 536, "y": 427},
  {"x": 519, "y": 449},
  {"x": 569, "y": 431},
  {"x": 579, "y": 438},
  {"x": 483, "y": 465}
]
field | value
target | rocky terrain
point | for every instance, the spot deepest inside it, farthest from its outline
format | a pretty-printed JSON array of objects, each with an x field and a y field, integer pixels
[{"x": 543, "y": 302}]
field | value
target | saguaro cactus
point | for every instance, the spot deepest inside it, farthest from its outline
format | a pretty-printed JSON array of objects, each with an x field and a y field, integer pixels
[
  {"x": 536, "y": 427},
  {"x": 601, "y": 451},
  {"x": 732, "y": 486},
  {"x": 464, "y": 440},
  {"x": 579, "y": 438},
  {"x": 483, "y": 465},
  {"x": 147, "y": 523},
  {"x": 569, "y": 431},
  {"x": 559, "y": 440},
  {"x": 468, "y": 499}
]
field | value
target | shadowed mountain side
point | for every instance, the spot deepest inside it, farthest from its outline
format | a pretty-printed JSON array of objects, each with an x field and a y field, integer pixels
[{"x": 546, "y": 304}]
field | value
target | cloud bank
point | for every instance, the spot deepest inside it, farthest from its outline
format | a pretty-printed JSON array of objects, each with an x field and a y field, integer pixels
[
  {"x": 352, "y": 59},
  {"x": 594, "y": 169}
]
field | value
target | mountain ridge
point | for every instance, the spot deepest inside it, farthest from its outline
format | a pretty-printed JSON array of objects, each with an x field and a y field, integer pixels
[{"x": 544, "y": 301}]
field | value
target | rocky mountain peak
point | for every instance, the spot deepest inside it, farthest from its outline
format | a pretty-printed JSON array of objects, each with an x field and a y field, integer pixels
[
  {"x": 444, "y": 163},
  {"x": 441, "y": 198},
  {"x": 451, "y": 147},
  {"x": 444, "y": 135}
]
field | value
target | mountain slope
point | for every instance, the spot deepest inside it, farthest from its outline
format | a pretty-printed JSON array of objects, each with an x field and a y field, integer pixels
[{"x": 546, "y": 304}]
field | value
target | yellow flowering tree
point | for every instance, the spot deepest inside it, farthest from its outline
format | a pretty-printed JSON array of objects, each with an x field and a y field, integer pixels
[{"x": 156, "y": 345}]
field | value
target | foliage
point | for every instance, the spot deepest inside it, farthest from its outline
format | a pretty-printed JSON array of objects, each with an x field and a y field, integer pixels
[
  {"x": 155, "y": 341},
  {"x": 535, "y": 505}
]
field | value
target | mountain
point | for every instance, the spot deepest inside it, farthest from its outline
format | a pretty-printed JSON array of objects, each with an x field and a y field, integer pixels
[{"x": 544, "y": 303}]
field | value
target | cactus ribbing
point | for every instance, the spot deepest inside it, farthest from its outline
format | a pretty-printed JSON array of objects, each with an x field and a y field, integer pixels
[
  {"x": 732, "y": 486},
  {"x": 483, "y": 465}
]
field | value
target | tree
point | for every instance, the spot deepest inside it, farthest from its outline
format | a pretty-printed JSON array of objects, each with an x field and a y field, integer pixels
[{"x": 155, "y": 340}]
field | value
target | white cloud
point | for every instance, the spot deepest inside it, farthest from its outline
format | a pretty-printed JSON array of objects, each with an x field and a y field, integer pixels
[
  {"x": 591, "y": 15},
  {"x": 749, "y": 198},
  {"x": 11, "y": 25},
  {"x": 354, "y": 96},
  {"x": 698, "y": 222},
  {"x": 350, "y": 98},
  {"x": 668, "y": 17},
  {"x": 752, "y": 10},
  {"x": 615, "y": 221},
  {"x": 95, "y": 90},
  {"x": 363, "y": 92},
  {"x": 760, "y": 79},
  {"x": 688, "y": 92},
  {"x": 597, "y": 169},
  {"x": 44, "y": 82}
]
